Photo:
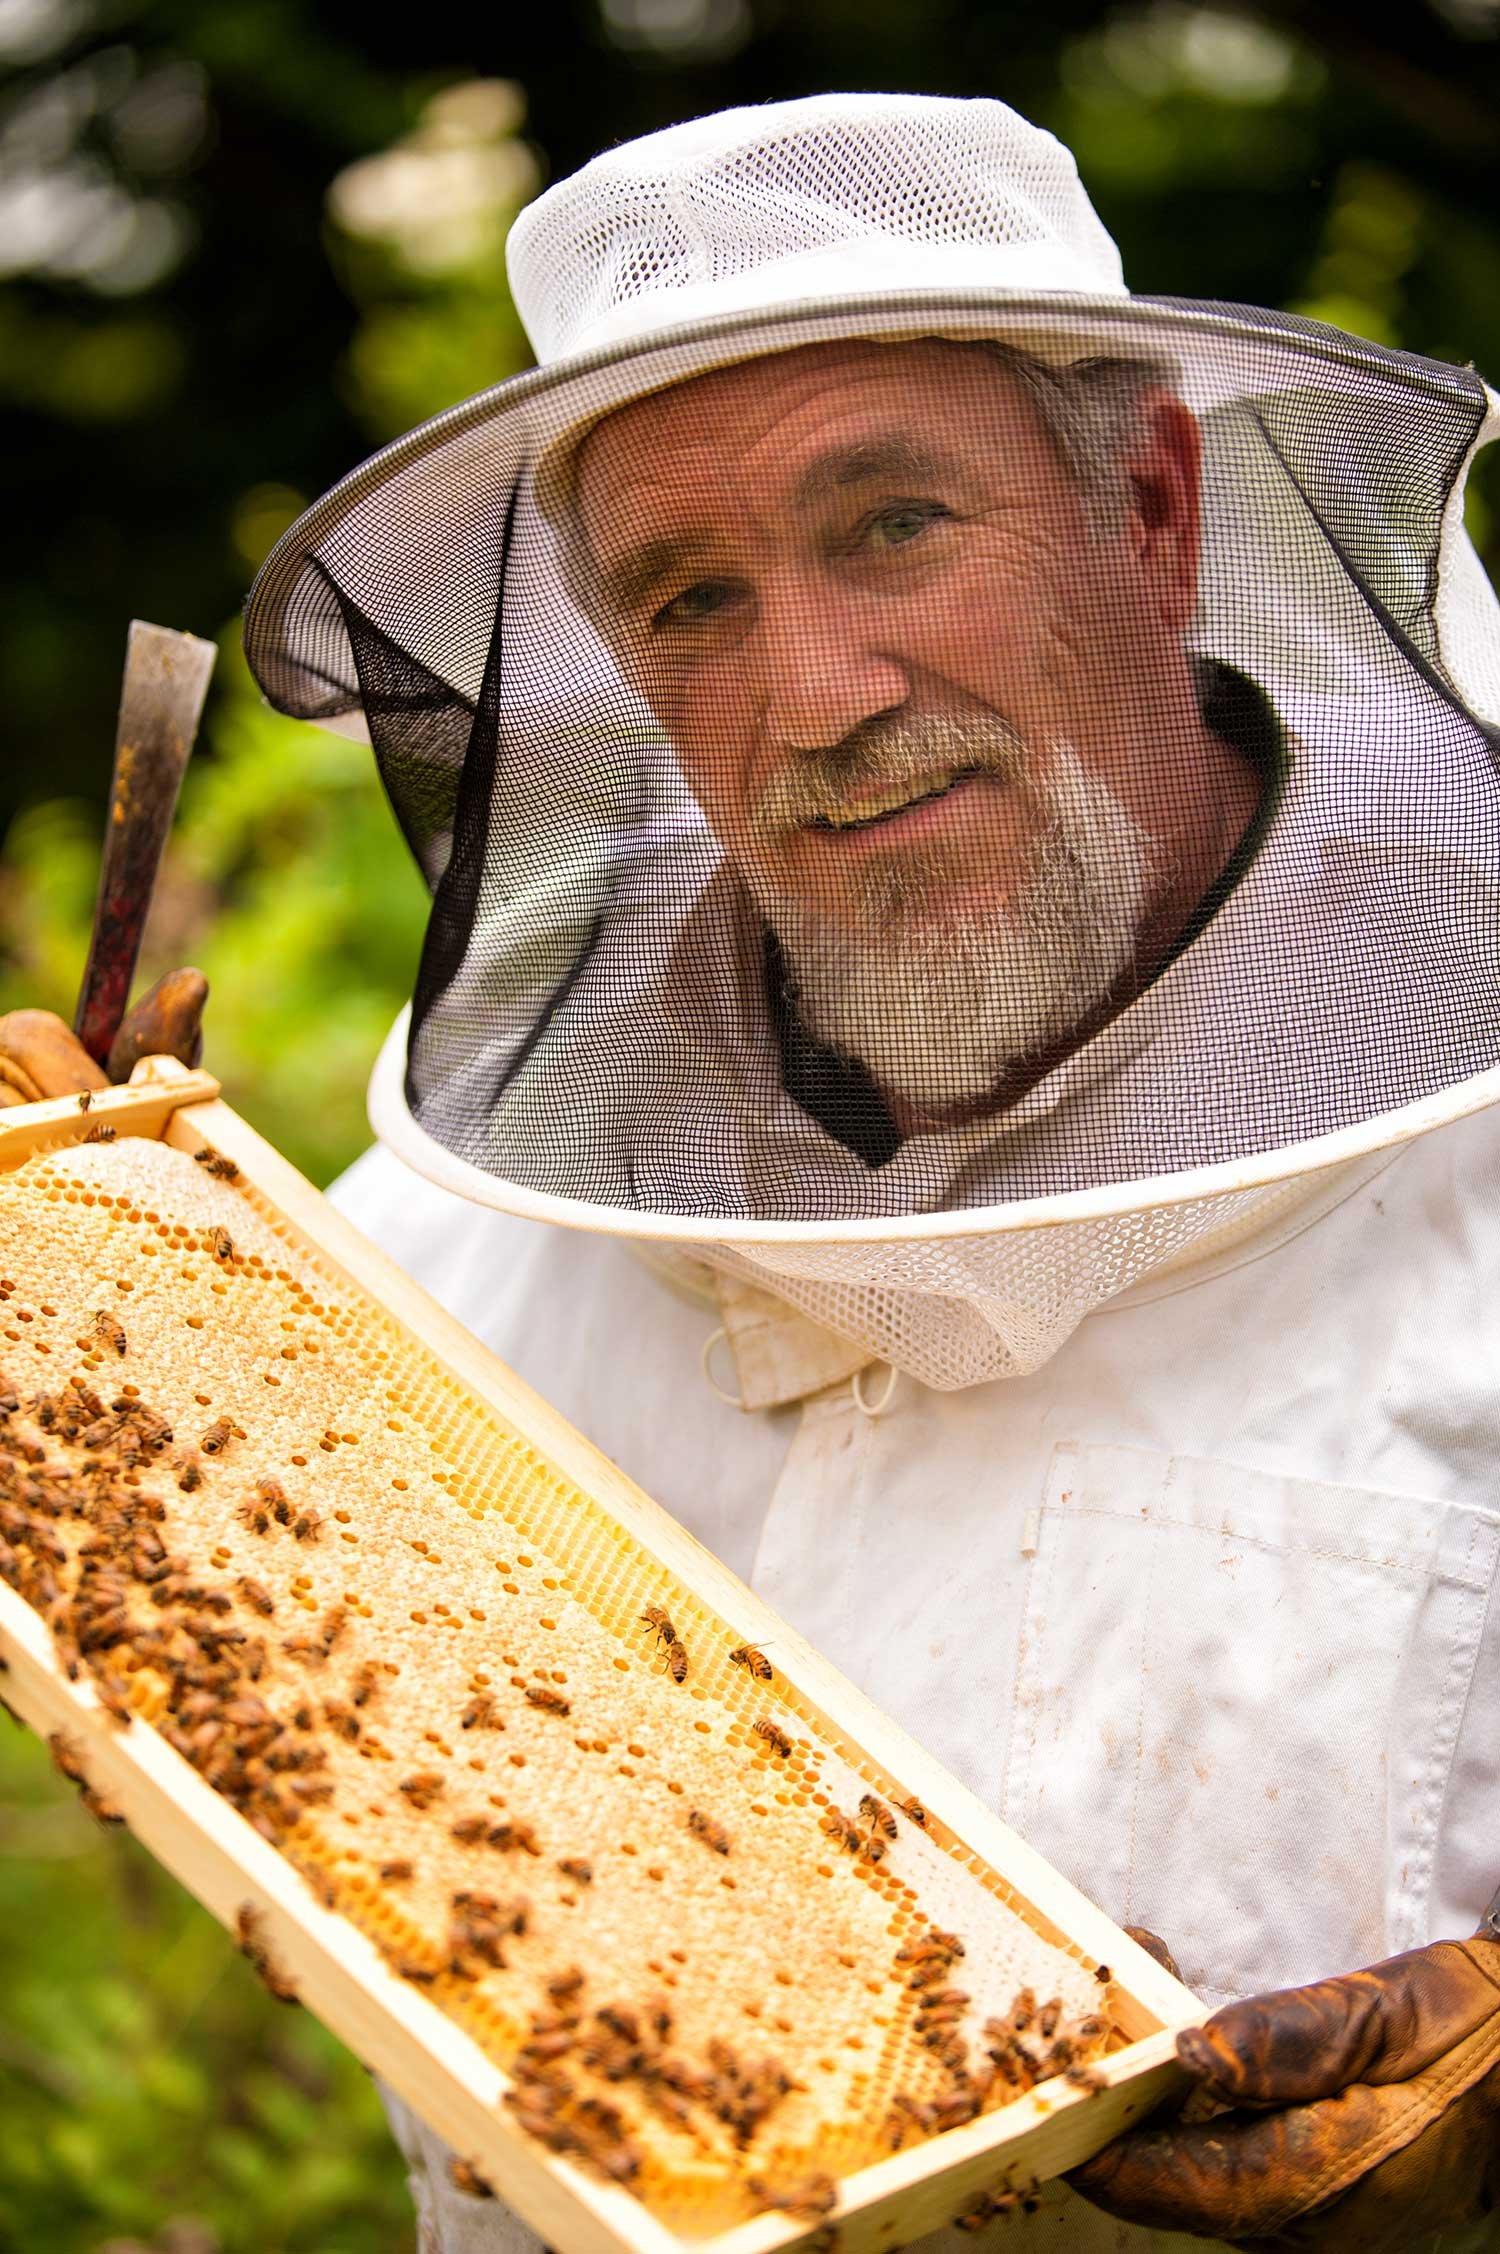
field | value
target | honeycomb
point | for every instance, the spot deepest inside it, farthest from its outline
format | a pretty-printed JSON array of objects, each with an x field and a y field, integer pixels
[{"x": 720, "y": 1959}]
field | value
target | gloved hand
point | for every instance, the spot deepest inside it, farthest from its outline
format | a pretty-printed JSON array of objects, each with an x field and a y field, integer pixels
[
  {"x": 1354, "y": 2114},
  {"x": 39, "y": 1055}
]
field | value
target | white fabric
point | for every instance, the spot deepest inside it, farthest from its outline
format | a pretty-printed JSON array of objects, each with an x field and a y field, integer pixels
[
  {"x": 1204, "y": 1605},
  {"x": 840, "y": 195}
]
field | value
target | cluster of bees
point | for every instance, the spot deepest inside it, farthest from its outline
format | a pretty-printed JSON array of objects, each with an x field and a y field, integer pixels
[
  {"x": 115, "y": 1589},
  {"x": 83, "y": 1539},
  {"x": 630, "y": 2046},
  {"x": 1024, "y": 2047},
  {"x": 94, "y": 1595}
]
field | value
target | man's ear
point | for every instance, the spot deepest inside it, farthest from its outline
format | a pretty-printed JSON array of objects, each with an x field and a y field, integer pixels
[{"x": 1163, "y": 513}]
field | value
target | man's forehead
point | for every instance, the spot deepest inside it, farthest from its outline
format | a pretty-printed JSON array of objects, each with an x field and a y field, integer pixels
[{"x": 811, "y": 420}]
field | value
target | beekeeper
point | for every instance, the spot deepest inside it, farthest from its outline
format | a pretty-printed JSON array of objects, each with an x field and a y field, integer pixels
[{"x": 956, "y": 1041}]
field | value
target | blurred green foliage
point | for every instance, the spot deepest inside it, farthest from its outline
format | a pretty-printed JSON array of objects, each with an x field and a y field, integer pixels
[
  {"x": 151, "y": 2095},
  {"x": 286, "y": 241}
]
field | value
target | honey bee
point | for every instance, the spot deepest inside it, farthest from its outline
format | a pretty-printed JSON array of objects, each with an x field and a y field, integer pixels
[
  {"x": 217, "y": 1437},
  {"x": 223, "y": 1169},
  {"x": 578, "y": 1868},
  {"x": 871, "y": 1849},
  {"x": 398, "y": 1868},
  {"x": 1103, "y": 1975},
  {"x": 189, "y": 1472},
  {"x": 221, "y": 1243},
  {"x": 1023, "y": 2010},
  {"x": 908, "y": 2116},
  {"x": 1048, "y": 2017},
  {"x": 962, "y": 2104},
  {"x": 549, "y": 2040},
  {"x": 468, "y": 1831},
  {"x": 1011, "y": 2061},
  {"x": 913, "y": 1811},
  {"x": 839, "y": 1827},
  {"x": 1085, "y": 2077},
  {"x": 940, "y": 2000},
  {"x": 422, "y": 1788},
  {"x": 85, "y": 1098},
  {"x": 513, "y": 1837},
  {"x": 481, "y": 1713},
  {"x": 306, "y": 1525},
  {"x": 654, "y": 1618},
  {"x": 808, "y": 2201},
  {"x": 465, "y": 2177},
  {"x": 341, "y": 1718},
  {"x": 335, "y": 1621},
  {"x": 773, "y": 1736},
  {"x": 712, "y": 1834},
  {"x": 752, "y": 1658},
  {"x": 985, "y": 2210},
  {"x": 258, "y": 1598},
  {"x": 877, "y": 1815},
  {"x": 110, "y": 1692},
  {"x": 364, "y": 1682},
  {"x": 103, "y": 1811},
  {"x": 549, "y": 1700},
  {"x": 101, "y": 1132},
  {"x": 412, "y": 1968},
  {"x": 677, "y": 1661},
  {"x": 109, "y": 1331},
  {"x": 248, "y": 1930},
  {"x": 66, "y": 1758}
]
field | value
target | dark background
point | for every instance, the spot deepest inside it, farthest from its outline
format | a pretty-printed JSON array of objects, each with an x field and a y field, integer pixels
[
  {"x": 1337, "y": 155},
  {"x": 242, "y": 243}
]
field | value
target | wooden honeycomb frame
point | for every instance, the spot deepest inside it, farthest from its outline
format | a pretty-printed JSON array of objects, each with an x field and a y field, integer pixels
[{"x": 338, "y": 1971}]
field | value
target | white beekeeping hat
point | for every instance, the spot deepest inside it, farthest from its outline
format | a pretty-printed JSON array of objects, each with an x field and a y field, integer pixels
[{"x": 790, "y": 754}]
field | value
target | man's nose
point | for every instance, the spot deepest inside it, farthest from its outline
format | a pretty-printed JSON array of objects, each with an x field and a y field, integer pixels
[{"x": 821, "y": 675}]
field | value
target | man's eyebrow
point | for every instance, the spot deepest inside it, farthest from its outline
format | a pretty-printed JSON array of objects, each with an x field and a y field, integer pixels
[
  {"x": 640, "y": 570},
  {"x": 867, "y": 462},
  {"x": 891, "y": 457}
]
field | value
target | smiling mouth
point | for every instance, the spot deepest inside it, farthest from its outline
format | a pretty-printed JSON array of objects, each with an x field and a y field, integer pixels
[{"x": 898, "y": 800}]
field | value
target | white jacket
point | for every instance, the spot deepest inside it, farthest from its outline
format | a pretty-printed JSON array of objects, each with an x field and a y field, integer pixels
[{"x": 1203, "y": 1607}]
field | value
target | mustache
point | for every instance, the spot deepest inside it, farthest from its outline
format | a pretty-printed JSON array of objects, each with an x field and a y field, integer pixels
[{"x": 885, "y": 752}]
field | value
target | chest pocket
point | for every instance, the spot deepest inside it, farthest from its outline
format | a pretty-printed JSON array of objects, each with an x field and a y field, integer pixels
[{"x": 1237, "y": 1701}]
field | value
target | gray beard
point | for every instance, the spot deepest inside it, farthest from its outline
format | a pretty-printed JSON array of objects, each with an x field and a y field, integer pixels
[{"x": 939, "y": 1007}]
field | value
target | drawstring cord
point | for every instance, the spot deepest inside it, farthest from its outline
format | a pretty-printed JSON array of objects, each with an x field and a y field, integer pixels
[
  {"x": 735, "y": 1400},
  {"x": 873, "y": 1409},
  {"x": 870, "y": 1408}
]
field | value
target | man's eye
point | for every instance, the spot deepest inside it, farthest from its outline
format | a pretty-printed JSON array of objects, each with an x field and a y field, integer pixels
[
  {"x": 895, "y": 526},
  {"x": 701, "y": 600}
]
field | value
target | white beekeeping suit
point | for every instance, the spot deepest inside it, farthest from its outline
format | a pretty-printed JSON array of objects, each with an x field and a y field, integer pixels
[
  {"x": 1204, "y": 1606},
  {"x": 960, "y": 1020}
]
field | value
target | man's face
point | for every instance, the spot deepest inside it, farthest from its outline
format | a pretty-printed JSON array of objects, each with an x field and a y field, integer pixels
[{"x": 865, "y": 599}]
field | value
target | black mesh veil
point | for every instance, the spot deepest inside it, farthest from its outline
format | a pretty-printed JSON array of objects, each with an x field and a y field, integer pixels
[{"x": 862, "y": 778}]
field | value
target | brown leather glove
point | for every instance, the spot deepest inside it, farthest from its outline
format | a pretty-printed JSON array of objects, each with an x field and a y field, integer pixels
[
  {"x": 39, "y": 1055},
  {"x": 1355, "y": 2114}
]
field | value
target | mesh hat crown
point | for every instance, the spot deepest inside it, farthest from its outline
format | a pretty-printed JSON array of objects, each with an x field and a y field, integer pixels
[
  {"x": 837, "y": 196},
  {"x": 610, "y": 1029}
]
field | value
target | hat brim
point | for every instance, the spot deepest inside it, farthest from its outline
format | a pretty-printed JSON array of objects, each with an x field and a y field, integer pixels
[{"x": 395, "y": 500}]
